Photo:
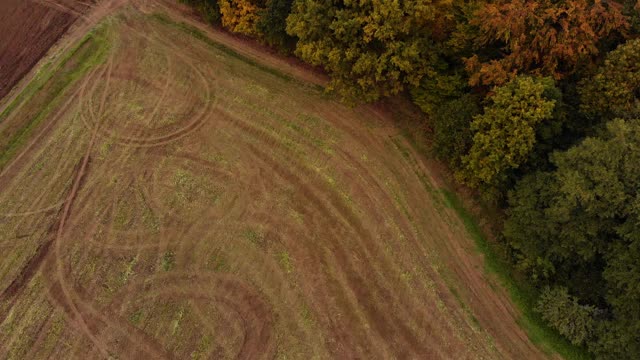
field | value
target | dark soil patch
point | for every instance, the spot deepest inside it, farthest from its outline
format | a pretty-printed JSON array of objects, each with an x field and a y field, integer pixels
[{"x": 27, "y": 31}]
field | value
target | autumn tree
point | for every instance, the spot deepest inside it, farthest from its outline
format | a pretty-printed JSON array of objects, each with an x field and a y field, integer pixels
[
  {"x": 505, "y": 134},
  {"x": 241, "y": 16},
  {"x": 370, "y": 48},
  {"x": 614, "y": 91},
  {"x": 541, "y": 37}
]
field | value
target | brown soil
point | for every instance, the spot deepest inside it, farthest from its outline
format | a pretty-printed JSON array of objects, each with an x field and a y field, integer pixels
[{"x": 27, "y": 30}]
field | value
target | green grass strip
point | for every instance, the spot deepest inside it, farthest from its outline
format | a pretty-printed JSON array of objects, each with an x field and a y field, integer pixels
[
  {"x": 198, "y": 34},
  {"x": 521, "y": 294},
  {"x": 89, "y": 52},
  {"x": 42, "y": 78},
  {"x": 34, "y": 86}
]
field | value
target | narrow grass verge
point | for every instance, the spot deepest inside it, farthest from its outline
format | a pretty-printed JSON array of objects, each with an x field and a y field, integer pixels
[
  {"x": 199, "y": 35},
  {"x": 522, "y": 295},
  {"x": 55, "y": 81},
  {"x": 44, "y": 75}
]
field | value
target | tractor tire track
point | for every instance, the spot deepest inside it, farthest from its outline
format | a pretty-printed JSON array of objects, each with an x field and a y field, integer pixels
[{"x": 254, "y": 313}]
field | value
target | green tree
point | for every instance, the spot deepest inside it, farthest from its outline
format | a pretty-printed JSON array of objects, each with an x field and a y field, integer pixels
[
  {"x": 505, "y": 134},
  {"x": 619, "y": 335},
  {"x": 579, "y": 227},
  {"x": 614, "y": 91},
  {"x": 370, "y": 48},
  {"x": 528, "y": 230},
  {"x": 273, "y": 24},
  {"x": 563, "y": 312},
  {"x": 435, "y": 90},
  {"x": 208, "y": 9},
  {"x": 452, "y": 129}
]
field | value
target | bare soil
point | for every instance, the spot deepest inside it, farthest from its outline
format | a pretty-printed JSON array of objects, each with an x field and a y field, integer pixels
[{"x": 27, "y": 30}]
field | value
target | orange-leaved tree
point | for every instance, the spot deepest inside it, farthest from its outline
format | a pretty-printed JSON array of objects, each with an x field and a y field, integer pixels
[{"x": 541, "y": 37}]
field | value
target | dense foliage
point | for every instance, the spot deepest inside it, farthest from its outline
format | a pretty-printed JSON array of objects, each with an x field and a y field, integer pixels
[
  {"x": 579, "y": 227},
  {"x": 273, "y": 24},
  {"x": 452, "y": 132},
  {"x": 208, "y": 9},
  {"x": 371, "y": 48},
  {"x": 532, "y": 102},
  {"x": 614, "y": 89},
  {"x": 563, "y": 312},
  {"x": 543, "y": 37},
  {"x": 241, "y": 16},
  {"x": 505, "y": 133}
]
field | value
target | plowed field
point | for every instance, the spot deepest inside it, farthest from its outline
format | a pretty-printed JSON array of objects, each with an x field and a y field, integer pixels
[{"x": 28, "y": 28}]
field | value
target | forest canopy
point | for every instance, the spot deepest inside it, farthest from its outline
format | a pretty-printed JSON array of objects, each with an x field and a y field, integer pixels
[{"x": 533, "y": 103}]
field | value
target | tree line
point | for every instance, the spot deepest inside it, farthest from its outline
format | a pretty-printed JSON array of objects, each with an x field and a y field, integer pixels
[{"x": 534, "y": 103}]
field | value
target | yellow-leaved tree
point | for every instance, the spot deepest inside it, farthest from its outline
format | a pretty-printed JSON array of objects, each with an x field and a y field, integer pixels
[{"x": 241, "y": 16}]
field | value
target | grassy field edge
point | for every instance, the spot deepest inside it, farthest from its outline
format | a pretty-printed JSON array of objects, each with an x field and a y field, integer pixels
[
  {"x": 522, "y": 295},
  {"x": 201, "y": 36},
  {"x": 43, "y": 76},
  {"x": 87, "y": 57}
]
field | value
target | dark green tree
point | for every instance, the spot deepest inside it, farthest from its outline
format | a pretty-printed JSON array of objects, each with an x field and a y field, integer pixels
[
  {"x": 451, "y": 123},
  {"x": 579, "y": 227},
  {"x": 614, "y": 91},
  {"x": 273, "y": 24},
  {"x": 620, "y": 334},
  {"x": 563, "y": 312},
  {"x": 528, "y": 229},
  {"x": 437, "y": 89},
  {"x": 208, "y": 9}
]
